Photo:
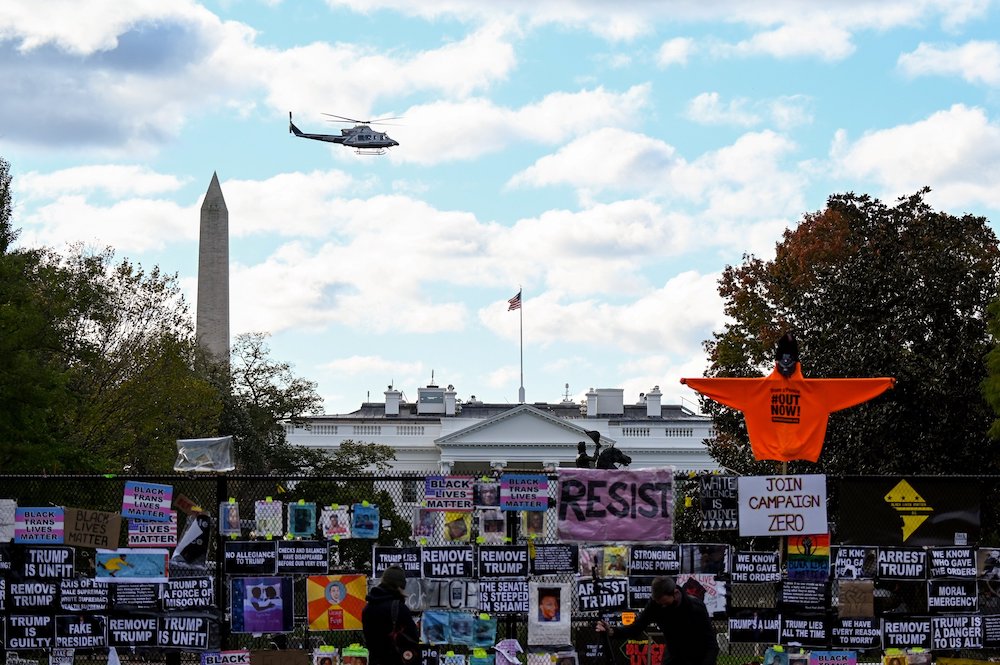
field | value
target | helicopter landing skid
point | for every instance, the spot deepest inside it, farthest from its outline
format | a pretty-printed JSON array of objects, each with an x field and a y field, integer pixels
[{"x": 370, "y": 151}]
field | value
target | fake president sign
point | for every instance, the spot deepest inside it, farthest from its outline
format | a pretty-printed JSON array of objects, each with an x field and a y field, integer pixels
[
  {"x": 600, "y": 505},
  {"x": 782, "y": 505}
]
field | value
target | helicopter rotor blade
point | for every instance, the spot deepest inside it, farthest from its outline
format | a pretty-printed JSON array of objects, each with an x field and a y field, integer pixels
[
  {"x": 376, "y": 121},
  {"x": 360, "y": 122}
]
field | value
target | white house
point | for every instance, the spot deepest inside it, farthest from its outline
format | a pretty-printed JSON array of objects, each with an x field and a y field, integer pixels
[{"x": 441, "y": 433}]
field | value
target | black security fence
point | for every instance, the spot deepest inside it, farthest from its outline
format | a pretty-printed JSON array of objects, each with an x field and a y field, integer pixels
[{"x": 909, "y": 563}]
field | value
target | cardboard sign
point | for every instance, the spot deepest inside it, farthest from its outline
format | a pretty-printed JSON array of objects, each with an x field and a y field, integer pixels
[
  {"x": 91, "y": 528},
  {"x": 856, "y": 598},
  {"x": 782, "y": 505}
]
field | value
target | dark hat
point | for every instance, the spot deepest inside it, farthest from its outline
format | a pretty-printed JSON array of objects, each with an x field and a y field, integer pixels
[{"x": 394, "y": 577}]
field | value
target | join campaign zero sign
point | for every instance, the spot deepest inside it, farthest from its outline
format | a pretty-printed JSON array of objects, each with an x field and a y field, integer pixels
[{"x": 782, "y": 505}]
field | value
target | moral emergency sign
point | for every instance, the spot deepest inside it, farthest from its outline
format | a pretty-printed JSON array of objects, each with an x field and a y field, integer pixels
[{"x": 782, "y": 505}]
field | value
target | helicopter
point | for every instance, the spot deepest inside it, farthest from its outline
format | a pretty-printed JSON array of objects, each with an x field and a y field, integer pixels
[{"x": 361, "y": 137}]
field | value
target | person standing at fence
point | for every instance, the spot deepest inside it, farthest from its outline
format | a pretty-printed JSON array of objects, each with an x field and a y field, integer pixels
[
  {"x": 683, "y": 620},
  {"x": 386, "y": 614}
]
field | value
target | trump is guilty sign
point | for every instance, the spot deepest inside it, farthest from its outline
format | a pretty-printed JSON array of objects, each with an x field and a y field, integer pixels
[{"x": 598, "y": 505}]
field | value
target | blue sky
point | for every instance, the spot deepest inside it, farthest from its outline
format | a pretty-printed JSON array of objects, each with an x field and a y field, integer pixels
[{"x": 611, "y": 159}]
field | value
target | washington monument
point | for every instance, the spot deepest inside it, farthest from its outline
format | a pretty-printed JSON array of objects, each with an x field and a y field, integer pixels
[{"x": 212, "y": 322}]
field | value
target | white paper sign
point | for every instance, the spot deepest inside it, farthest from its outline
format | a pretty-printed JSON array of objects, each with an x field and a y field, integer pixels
[{"x": 782, "y": 505}]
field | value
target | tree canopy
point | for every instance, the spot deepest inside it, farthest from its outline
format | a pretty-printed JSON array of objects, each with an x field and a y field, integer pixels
[
  {"x": 100, "y": 372},
  {"x": 872, "y": 290}
]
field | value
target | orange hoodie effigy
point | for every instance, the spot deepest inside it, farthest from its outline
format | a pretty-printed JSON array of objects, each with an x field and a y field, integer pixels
[{"x": 786, "y": 417}]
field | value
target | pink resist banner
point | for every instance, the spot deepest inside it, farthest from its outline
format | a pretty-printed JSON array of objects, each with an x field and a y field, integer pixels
[{"x": 608, "y": 505}]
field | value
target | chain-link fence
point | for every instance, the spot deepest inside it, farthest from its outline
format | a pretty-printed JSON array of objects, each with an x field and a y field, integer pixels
[{"x": 398, "y": 496}]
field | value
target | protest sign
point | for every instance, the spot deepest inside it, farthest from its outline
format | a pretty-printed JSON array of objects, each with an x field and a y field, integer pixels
[
  {"x": 608, "y": 505},
  {"x": 91, "y": 528},
  {"x": 524, "y": 491},
  {"x": 782, "y": 505}
]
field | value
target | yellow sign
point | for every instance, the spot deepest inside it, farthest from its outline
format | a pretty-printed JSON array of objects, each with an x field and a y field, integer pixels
[
  {"x": 628, "y": 618},
  {"x": 911, "y": 507}
]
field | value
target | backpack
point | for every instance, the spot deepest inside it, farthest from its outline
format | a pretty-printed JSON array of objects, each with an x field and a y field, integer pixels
[{"x": 406, "y": 647}]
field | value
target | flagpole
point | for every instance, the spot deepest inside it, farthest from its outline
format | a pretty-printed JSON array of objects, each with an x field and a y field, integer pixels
[{"x": 520, "y": 392}]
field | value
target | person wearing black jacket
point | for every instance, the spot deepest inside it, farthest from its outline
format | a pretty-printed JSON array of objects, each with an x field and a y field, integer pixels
[
  {"x": 683, "y": 620},
  {"x": 377, "y": 624}
]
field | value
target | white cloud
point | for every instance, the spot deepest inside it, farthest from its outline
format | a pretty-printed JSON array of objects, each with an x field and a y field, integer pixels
[
  {"x": 813, "y": 37},
  {"x": 956, "y": 152},
  {"x": 633, "y": 18},
  {"x": 116, "y": 180},
  {"x": 708, "y": 109},
  {"x": 663, "y": 318},
  {"x": 605, "y": 158},
  {"x": 784, "y": 112},
  {"x": 354, "y": 365},
  {"x": 975, "y": 61},
  {"x": 446, "y": 131},
  {"x": 674, "y": 51},
  {"x": 132, "y": 225}
]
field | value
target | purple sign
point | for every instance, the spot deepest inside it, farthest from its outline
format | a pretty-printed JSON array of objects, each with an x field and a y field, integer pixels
[{"x": 602, "y": 505}]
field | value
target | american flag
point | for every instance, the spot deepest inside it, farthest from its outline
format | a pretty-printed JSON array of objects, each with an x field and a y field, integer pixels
[{"x": 514, "y": 303}]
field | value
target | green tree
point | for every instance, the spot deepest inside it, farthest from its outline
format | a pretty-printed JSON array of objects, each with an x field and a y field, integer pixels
[
  {"x": 134, "y": 372},
  {"x": 260, "y": 395},
  {"x": 991, "y": 384},
  {"x": 872, "y": 290},
  {"x": 97, "y": 361}
]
